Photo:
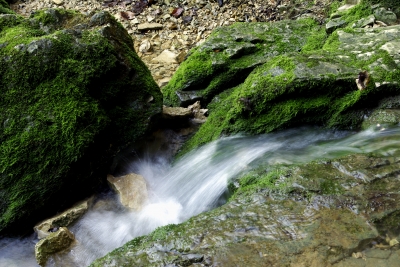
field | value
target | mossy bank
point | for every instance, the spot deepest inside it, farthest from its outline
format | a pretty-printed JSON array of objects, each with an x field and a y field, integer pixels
[
  {"x": 260, "y": 77},
  {"x": 73, "y": 92}
]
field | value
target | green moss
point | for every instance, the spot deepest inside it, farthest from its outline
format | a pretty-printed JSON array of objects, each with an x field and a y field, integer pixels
[
  {"x": 60, "y": 108},
  {"x": 231, "y": 53},
  {"x": 356, "y": 13},
  {"x": 260, "y": 179},
  {"x": 5, "y": 8}
]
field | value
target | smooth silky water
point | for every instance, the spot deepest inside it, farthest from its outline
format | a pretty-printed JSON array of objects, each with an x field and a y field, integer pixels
[{"x": 194, "y": 184}]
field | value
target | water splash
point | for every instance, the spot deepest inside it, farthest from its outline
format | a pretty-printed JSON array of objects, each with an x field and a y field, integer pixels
[{"x": 193, "y": 185}]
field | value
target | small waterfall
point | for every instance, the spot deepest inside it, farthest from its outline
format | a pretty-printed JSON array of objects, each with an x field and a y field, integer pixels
[{"x": 194, "y": 184}]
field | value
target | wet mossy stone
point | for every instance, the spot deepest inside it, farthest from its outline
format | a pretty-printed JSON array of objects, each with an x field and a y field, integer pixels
[
  {"x": 313, "y": 86},
  {"x": 323, "y": 210},
  {"x": 227, "y": 57},
  {"x": 72, "y": 93}
]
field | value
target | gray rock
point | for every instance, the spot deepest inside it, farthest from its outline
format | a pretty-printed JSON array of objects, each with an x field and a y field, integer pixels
[
  {"x": 385, "y": 15},
  {"x": 364, "y": 22},
  {"x": 334, "y": 24}
]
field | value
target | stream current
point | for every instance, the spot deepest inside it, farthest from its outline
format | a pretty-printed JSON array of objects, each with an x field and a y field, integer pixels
[{"x": 195, "y": 183}]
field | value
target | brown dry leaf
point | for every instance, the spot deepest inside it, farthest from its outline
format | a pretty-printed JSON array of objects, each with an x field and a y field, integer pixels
[
  {"x": 139, "y": 6},
  {"x": 177, "y": 12},
  {"x": 127, "y": 15}
]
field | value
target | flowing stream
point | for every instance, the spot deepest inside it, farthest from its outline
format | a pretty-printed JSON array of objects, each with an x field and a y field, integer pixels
[{"x": 194, "y": 184}]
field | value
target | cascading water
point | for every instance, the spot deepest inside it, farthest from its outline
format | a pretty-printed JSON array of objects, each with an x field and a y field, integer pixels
[{"x": 192, "y": 185}]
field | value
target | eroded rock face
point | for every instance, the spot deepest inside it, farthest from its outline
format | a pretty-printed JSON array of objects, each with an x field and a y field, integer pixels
[
  {"x": 55, "y": 242},
  {"x": 84, "y": 94},
  {"x": 131, "y": 189},
  {"x": 325, "y": 213},
  {"x": 65, "y": 219}
]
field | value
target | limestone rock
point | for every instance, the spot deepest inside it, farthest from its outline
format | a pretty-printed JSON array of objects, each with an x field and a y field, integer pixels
[
  {"x": 163, "y": 82},
  {"x": 131, "y": 188},
  {"x": 64, "y": 219},
  {"x": 385, "y": 15},
  {"x": 334, "y": 24},
  {"x": 145, "y": 46},
  {"x": 176, "y": 112},
  {"x": 167, "y": 56},
  {"x": 344, "y": 215},
  {"x": 55, "y": 242},
  {"x": 149, "y": 26},
  {"x": 58, "y": 2},
  {"x": 364, "y": 22}
]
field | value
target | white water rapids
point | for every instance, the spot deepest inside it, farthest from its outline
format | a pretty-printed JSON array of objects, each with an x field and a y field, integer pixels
[{"x": 194, "y": 184}]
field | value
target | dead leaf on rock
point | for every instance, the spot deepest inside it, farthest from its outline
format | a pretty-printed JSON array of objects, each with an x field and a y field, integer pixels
[
  {"x": 139, "y": 6},
  {"x": 128, "y": 15},
  {"x": 177, "y": 12}
]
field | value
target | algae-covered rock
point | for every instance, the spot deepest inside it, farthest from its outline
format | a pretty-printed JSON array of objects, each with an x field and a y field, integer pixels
[
  {"x": 303, "y": 77},
  {"x": 5, "y": 8},
  {"x": 317, "y": 214},
  {"x": 73, "y": 92},
  {"x": 227, "y": 57}
]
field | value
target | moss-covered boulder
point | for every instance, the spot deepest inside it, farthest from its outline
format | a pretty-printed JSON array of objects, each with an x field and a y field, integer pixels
[
  {"x": 230, "y": 54},
  {"x": 72, "y": 93},
  {"x": 287, "y": 74},
  {"x": 5, "y": 8},
  {"x": 317, "y": 214}
]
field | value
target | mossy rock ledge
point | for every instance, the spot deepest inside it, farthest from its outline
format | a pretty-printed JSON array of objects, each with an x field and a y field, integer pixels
[
  {"x": 73, "y": 92},
  {"x": 317, "y": 214},
  {"x": 260, "y": 77}
]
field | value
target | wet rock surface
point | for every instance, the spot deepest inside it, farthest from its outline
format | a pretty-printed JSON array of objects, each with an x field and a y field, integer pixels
[
  {"x": 259, "y": 78},
  {"x": 332, "y": 213},
  {"x": 55, "y": 242},
  {"x": 65, "y": 219},
  {"x": 131, "y": 188}
]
